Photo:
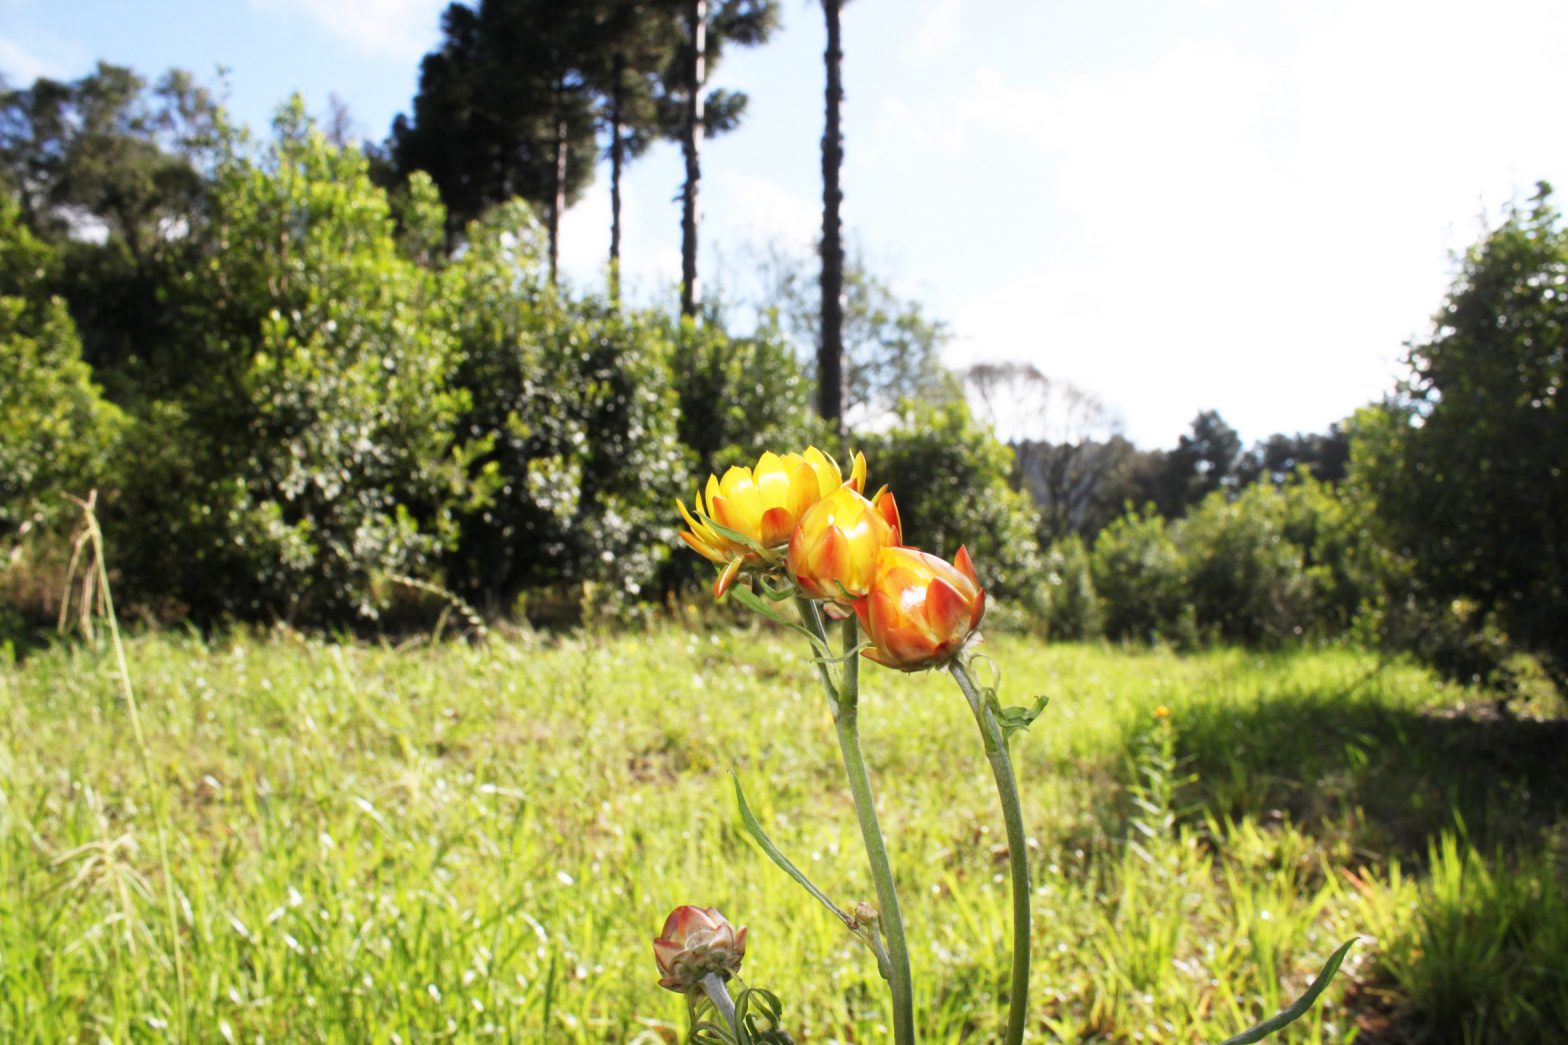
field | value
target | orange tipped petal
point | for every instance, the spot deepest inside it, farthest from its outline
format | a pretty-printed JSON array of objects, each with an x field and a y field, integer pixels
[
  {"x": 888, "y": 509},
  {"x": 775, "y": 527},
  {"x": 830, "y": 556},
  {"x": 727, "y": 578},
  {"x": 872, "y": 653},
  {"x": 947, "y": 610},
  {"x": 966, "y": 565},
  {"x": 703, "y": 549},
  {"x": 701, "y": 530},
  {"x": 911, "y": 647}
]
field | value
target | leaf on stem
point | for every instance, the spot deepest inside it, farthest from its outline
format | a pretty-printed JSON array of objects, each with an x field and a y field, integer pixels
[
  {"x": 751, "y": 544},
  {"x": 754, "y": 828},
  {"x": 760, "y": 1026},
  {"x": 749, "y": 599},
  {"x": 1017, "y": 719},
  {"x": 1303, "y": 1003}
]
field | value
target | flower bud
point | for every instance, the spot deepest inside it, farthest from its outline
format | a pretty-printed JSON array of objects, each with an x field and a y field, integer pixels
[
  {"x": 697, "y": 941},
  {"x": 921, "y": 609},
  {"x": 833, "y": 549}
]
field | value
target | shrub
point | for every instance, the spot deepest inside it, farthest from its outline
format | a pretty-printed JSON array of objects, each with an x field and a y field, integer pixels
[
  {"x": 312, "y": 450},
  {"x": 1141, "y": 579},
  {"x": 579, "y": 464},
  {"x": 56, "y": 430},
  {"x": 1072, "y": 605},
  {"x": 1246, "y": 581}
]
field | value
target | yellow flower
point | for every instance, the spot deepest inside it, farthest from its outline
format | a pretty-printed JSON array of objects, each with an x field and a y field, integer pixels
[
  {"x": 697, "y": 941},
  {"x": 759, "y": 507},
  {"x": 832, "y": 550},
  {"x": 921, "y": 609}
]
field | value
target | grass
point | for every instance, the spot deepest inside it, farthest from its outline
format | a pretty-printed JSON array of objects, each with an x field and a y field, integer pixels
[{"x": 455, "y": 843}]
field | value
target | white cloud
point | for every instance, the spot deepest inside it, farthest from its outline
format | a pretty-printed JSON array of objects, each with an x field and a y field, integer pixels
[
  {"x": 50, "y": 58},
  {"x": 938, "y": 30},
  {"x": 1260, "y": 232},
  {"x": 398, "y": 29}
]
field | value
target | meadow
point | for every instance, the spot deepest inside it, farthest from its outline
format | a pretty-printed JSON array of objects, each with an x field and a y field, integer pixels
[{"x": 454, "y": 842}]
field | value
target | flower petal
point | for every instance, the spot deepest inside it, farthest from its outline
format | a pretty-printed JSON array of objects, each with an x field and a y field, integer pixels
[{"x": 727, "y": 578}]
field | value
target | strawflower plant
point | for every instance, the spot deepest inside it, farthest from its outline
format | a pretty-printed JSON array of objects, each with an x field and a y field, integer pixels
[{"x": 795, "y": 529}]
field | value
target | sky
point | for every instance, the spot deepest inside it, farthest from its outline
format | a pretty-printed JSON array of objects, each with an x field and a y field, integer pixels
[{"x": 1247, "y": 206}]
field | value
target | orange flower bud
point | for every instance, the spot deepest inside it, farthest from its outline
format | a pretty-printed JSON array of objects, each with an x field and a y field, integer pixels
[
  {"x": 921, "y": 609},
  {"x": 697, "y": 941},
  {"x": 760, "y": 505},
  {"x": 833, "y": 549}
]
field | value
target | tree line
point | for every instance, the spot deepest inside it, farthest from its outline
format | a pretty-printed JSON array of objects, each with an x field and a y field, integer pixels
[{"x": 295, "y": 397}]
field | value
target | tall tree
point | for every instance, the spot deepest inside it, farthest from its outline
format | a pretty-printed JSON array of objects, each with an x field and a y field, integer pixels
[
  {"x": 691, "y": 145},
  {"x": 892, "y": 348},
  {"x": 1467, "y": 465},
  {"x": 116, "y": 174},
  {"x": 830, "y": 353},
  {"x": 505, "y": 109},
  {"x": 636, "y": 42},
  {"x": 697, "y": 113}
]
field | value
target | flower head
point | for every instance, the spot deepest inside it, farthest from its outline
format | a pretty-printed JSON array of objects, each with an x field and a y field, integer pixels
[
  {"x": 921, "y": 609},
  {"x": 833, "y": 549},
  {"x": 745, "y": 518},
  {"x": 697, "y": 941}
]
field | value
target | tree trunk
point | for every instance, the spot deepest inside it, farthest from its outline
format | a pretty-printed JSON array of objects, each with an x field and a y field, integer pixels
[
  {"x": 698, "y": 13},
  {"x": 558, "y": 188},
  {"x": 830, "y": 352},
  {"x": 617, "y": 157}
]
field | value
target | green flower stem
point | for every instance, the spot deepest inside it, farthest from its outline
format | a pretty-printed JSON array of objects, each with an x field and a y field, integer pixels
[
  {"x": 1017, "y": 845},
  {"x": 846, "y": 721},
  {"x": 719, "y": 995}
]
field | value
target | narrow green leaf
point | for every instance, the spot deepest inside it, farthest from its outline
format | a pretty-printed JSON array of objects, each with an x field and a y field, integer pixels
[
  {"x": 749, "y": 599},
  {"x": 1303, "y": 1003},
  {"x": 749, "y": 543},
  {"x": 759, "y": 836}
]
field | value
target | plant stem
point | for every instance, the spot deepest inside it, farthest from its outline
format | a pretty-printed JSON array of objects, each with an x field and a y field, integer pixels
[
  {"x": 714, "y": 988},
  {"x": 846, "y": 721},
  {"x": 1017, "y": 845}
]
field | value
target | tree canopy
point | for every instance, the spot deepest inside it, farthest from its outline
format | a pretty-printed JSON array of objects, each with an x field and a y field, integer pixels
[{"x": 1467, "y": 461}]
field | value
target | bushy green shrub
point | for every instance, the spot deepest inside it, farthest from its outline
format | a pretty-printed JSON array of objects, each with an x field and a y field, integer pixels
[
  {"x": 313, "y": 450},
  {"x": 56, "y": 430},
  {"x": 949, "y": 475},
  {"x": 580, "y": 465},
  {"x": 740, "y": 394},
  {"x": 1245, "y": 580},
  {"x": 1141, "y": 579},
  {"x": 1072, "y": 605},
  {"x": 1347, "y": 566}
]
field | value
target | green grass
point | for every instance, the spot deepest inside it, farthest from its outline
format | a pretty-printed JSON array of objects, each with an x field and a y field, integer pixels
[{"x": 465, "y": 843}]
